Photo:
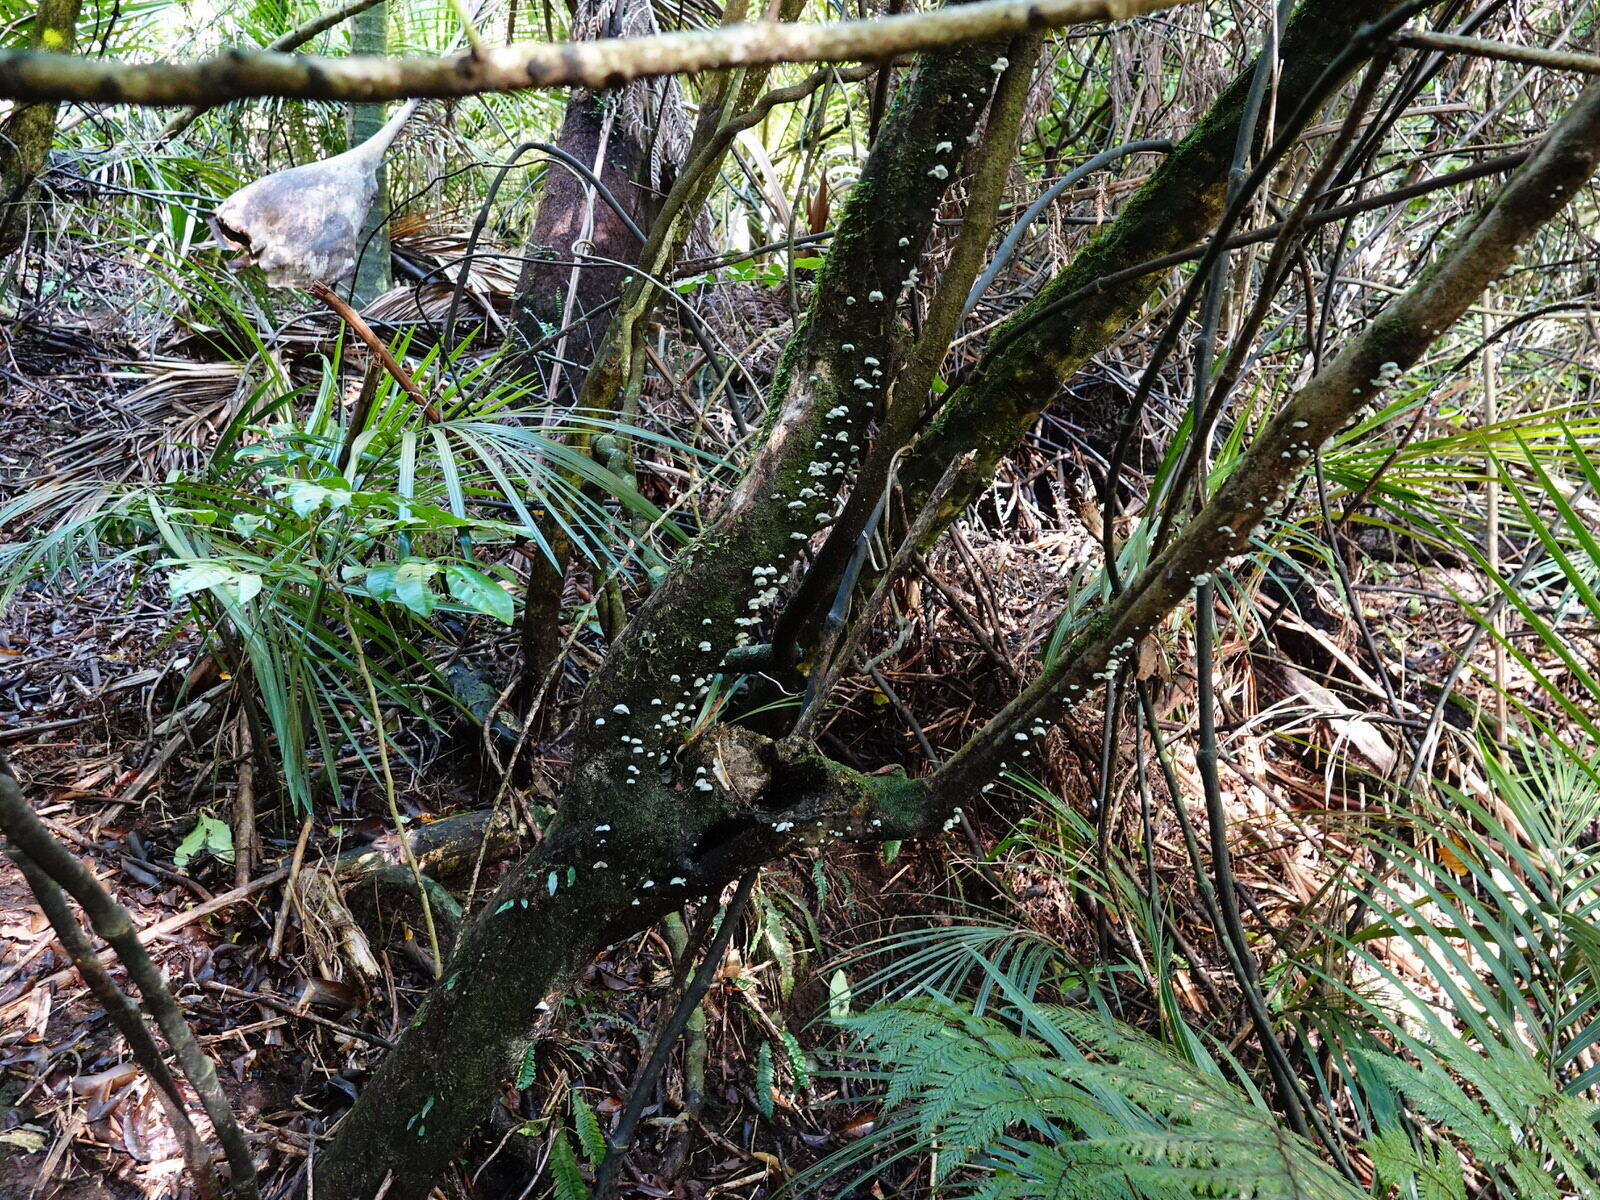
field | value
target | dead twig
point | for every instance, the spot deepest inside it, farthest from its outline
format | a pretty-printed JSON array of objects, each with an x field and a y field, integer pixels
[{"x": 379, "y": 351}]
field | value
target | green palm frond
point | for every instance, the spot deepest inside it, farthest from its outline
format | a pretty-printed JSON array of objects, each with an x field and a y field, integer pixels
[{"x": 300, "y": 525}]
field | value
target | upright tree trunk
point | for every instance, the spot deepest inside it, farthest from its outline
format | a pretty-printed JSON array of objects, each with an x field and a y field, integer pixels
[
  {"x": 627, "y": 139},
  {"x": 369, "y": 34},
  {"x": 30, "y": 129},
  {"x": 649, "y": 818},
  {"x": 556, "y": 288}
]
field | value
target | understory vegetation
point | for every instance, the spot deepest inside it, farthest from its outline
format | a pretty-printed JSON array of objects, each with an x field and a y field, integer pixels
[{"x": 1003, "y": 614}]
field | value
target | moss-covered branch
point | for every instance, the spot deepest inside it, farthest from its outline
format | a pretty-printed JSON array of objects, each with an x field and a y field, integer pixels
[
  {"x": 659, "y": 808},
  {"x": 1000, "y": 137},
  {"x": 598, "y": 65},
  {"x": 1040, "y": 348},
  {"x": 1363, "y": 370}
]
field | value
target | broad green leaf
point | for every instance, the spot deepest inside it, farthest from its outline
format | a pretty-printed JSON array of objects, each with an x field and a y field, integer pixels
[
  {"x": 209, "y": 836},
  {"x": 405, "y": 583},
  {"x": 243, "y": 587},
  {"x": 480, "y": 593},
  {"x": 206, "y": 574},
  {"x": 305, "y": 497},
  {"x": 197, "y": 577}
]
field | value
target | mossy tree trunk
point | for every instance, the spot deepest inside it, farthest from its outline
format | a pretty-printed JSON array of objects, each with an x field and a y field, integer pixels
[
  {"x": 30, "y": 129},
  {"x": 658, "y": 810},
  {"x": 651, "y": 815},
  {"x": 1044, "y": 344}
]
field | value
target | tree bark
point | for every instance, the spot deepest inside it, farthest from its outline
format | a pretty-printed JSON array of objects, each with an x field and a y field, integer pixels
[
  {"x": 30, "y": 130},
  {"x": 627, "y": 140},
  {"x": 571, "y": 213},
  {"x": 655, "y": 813},
  {"x": 989, "y": 412}
]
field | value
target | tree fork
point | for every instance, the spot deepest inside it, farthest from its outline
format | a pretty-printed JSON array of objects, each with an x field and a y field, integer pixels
[
  {"x": 754, "y": 799},
  {"x": 648, "y": 819},
  {"x": 991, "y": 410}
]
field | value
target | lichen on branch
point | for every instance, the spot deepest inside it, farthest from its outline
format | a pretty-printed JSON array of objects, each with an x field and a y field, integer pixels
[{"x": 598, "y": 65}]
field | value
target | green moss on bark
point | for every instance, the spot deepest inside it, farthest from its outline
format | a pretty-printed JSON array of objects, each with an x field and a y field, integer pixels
[
  {"x": 1175, "y": 208},
  {"x": 30, "y": 130},
  {"x": 640, "y": 797}
]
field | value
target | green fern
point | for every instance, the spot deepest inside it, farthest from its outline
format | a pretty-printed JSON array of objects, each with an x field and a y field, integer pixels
[
  {"x": 590, "y": 1137},
  {"x": 1046, "y": 1101},
  {"x": 799, "y": 1068},
  {"x": 764, "y": 1079},
  {"x": 1506, "y": 1113},
  {"x": 565, "y": 1173}
]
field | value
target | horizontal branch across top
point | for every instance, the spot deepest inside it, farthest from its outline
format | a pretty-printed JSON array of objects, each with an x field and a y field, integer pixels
[{"x": 604, "y": 63}]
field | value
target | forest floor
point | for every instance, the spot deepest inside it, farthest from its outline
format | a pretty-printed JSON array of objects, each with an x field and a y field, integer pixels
[
  {"x": 109, "y": 710},
  {"x": 120, "y": 725}
]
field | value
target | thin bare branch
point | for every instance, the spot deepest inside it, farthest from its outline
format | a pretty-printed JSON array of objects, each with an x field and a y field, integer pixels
[{"x": 598, "y": 65}]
